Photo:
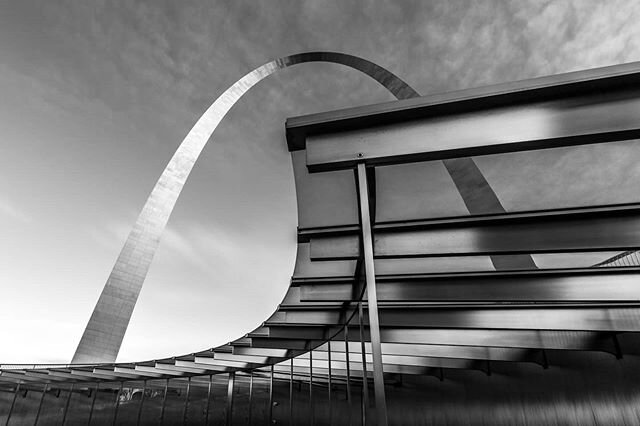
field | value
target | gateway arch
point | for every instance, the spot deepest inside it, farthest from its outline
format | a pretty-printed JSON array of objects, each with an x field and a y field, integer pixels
[{"x": 108, "y": 323}]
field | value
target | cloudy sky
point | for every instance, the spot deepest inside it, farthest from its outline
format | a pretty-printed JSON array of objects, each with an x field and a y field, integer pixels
[{"x": 96, "y": 95}]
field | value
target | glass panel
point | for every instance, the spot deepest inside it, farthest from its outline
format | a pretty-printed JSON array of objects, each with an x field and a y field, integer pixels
[
  {"x": 260, "y": 402},
  {"x": 53, "y": 405},
  {"x": 105, "y": 403},
  {"x": 129, "y": 402},
  {"x": 174, "y": 405},
  {"x": 26, "y": 404},
  {"x": 79, "y": 405},
  {"x": 217, "y": 410},
  {"x": 281, "y": 398},
  {"x": 153, "y": 396},
  {"x": 196, "y": 409},
  {"x": 241, "y": 399},
  {"x": 6, "y": 397}
]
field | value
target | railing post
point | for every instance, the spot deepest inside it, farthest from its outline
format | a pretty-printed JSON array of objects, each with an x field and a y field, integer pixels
[
  {"x": 311, "y": 413},
  {"x": 66, "y": 405},
  {"x": 346, "y": 354},
  {"x": 250, "y": 394},
  {"x": 164, "y": 401},
  {"x": 232, "y": 378},
  {"x": 44, "y": 391},
  {"x": 117, "y": 403},
  {"x": 329, "y": 390},
  {"x": 144, "y": 389},
  {"x": 13, "y": 403},
  {"x": 186, "y": 402},
  {"x": 365, "y": 376},
  {"x": 271, "y": 396},
  {"x": 372, "y": 298},
  {"x": 206, "y": 413},
  {"x": 291, "y": 393},
  {"x": 93, "y": 402}
]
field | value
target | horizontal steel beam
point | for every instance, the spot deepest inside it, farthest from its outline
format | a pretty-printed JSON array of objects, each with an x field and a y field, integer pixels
[
  {"x": 519, "y": 339},
  {"x": 531, "y": 317},
  {"x": 596, "y": 285},
  {"x": 566, "y": 234},
  {"x": 578, "y": 120},
  {"x": 429, "y": 351}
]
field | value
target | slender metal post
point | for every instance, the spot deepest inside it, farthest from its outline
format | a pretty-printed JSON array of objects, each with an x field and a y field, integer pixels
[
  {"x": 164, "y": 401},
  {"x": 311, "y": 413},
  {"x": 372, "y": 297},
  {"x": 144, "y": 389},
  {"x": 271, "y": 396},
  {"x": 44, "y": 392},
  {"x": 250, "y": 393},
  {"x": 115, "y": 410},
  {"x": 66, "y": 405},
  {"x": 365, "y": 376},
  {"x": 232, "y": 377},
  {"x": 186, "y": 402},
  {"x": 206, "y": 413},
  {"x": 346, "y": 354},
  {"x": 93, "y": 403},
  {"x": 13, "y": 403},
  {"x": 291, "y": 393},
  {"x": 329, "y": 359}
]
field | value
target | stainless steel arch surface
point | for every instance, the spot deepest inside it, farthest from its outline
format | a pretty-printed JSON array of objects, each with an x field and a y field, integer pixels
[{"x": 108, "y": 323}]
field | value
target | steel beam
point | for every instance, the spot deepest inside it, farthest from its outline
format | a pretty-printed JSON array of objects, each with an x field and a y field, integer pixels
[
  {"x": 374, "y": 328},
  {"x": 597, "y": 285},
  {"x": 589, "y": 118},
  {"x": 558, "y": 235},
  {"x": 584, "y": 317}
]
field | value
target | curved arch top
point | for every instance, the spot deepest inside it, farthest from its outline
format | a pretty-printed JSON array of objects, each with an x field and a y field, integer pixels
[{"x": 108, "y": 323}]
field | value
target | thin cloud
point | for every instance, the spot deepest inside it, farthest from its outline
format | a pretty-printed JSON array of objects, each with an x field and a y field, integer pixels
[{"x": 12, "y": 211}]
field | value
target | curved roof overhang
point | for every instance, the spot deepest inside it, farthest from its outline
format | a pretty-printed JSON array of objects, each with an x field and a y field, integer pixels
[{"x": 444, "y": 301}]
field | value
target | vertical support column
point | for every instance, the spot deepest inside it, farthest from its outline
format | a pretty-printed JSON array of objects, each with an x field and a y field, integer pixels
[
  {"x": 206, "y": 413},
  {"x": 329, "y": 389},
  {"x": 117, "y": 403},
  {"x": 144, "y": 389},
  {"x": 311, "y": 413},
  {"x": 291, "y": 393},
  {"x": 250, "y": 394},
  {"x": 13, "y": 403},
  {"x": 372, "y": 298},
  {"x": 185, "y": 409},
  {"x": 346, "y": 355},
  {"x": 93, "y": 402},
  {"x": 164, "y": 401},
  {"x": 232, "y": 378},
  {"x": 365, "y": 376},
  {"x": 271, "y": 395},
  {"x": 66, "y": 405},
  {"x": 44, "y": 392}
]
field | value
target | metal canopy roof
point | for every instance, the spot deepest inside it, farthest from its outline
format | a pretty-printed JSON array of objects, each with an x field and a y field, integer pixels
[{"x": 448, "y": 294}]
